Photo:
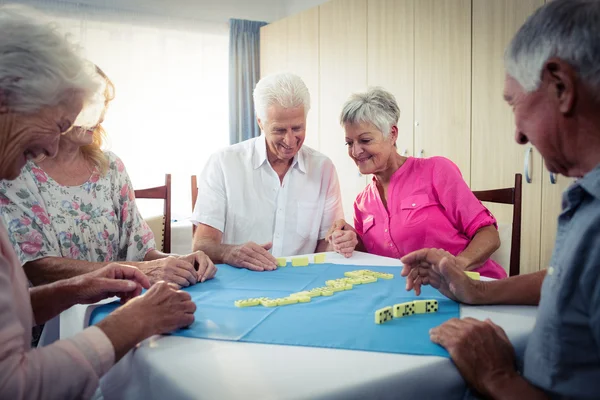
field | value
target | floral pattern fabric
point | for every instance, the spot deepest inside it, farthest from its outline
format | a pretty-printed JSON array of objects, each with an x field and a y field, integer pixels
[{"x": 97, "y": 221}]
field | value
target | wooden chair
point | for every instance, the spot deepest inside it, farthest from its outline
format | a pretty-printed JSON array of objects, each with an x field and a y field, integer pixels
[
  {"x": 161, "y": 227},
  {"x": 194, "y": 197},
  {"x": 509, "y": 196}
]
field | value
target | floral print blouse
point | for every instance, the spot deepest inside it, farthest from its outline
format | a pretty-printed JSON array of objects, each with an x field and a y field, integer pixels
[{"x": 97, "y": 221}]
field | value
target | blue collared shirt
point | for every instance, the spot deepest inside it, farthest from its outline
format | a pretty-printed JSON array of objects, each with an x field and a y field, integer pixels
[{"x": 563, "y": 352}]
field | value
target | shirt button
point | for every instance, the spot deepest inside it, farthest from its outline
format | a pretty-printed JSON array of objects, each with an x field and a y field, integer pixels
[
  {"x": 391, "y": 245},
  {"x": 550, "y": 270},
  {"x": 385, "y": 229},
  {"x": 414, "y": 205}
]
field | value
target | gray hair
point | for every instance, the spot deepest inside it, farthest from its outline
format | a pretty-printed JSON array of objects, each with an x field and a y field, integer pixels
[
  {"x": 377, "y": 106},
  {"x": 283, "y": 89},
  {"x": 566, "y": 29},
  {"x": 38, "y": 66}
]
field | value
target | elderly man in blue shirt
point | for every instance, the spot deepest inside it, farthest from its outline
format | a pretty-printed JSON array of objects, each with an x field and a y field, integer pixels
[{"x": 553, "y": 86}]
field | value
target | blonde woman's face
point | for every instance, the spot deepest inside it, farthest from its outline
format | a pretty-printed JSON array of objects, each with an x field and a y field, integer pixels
[{"x": 29, "y": 136}]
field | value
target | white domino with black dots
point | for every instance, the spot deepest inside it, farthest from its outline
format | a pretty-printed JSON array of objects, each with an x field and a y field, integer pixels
[{"x": 406, "y": 309}]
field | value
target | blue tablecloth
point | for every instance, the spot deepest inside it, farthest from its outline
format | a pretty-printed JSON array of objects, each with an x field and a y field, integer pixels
[{"x": 343, "y": 321}]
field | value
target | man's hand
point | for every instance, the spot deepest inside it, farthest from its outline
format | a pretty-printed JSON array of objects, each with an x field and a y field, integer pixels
[
  {"x": 112, "y": 280},
  {"x": 480, "y": 350},
  {"x": 205, "y": 268},
  {"x": 342, "y": 237},
  {"x": 252, "y": 256},
  {"x": 439, "y": 269}
]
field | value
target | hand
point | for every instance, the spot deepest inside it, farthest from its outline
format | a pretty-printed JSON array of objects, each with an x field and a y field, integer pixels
[
  {"x": 342, "y": 238},
  {"x": 480, "y": 350},
  {"x": 206, "y": 268},
  {"x": 109, "y": 281},
  {"x": 170, "y": 269},
  {"x": 439, "y": 269},
  {"x": 162, "y": 309},
  {"x": 252, "y": 256}
]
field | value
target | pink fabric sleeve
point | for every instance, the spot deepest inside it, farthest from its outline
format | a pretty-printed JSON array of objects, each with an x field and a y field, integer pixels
[
  {"x": 460, "y": 204},
  {"x": 358, "y": 225},
  {"x": 67, "y": 369}
]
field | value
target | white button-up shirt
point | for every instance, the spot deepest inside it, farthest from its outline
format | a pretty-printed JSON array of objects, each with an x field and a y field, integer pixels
[{"x": 241, "y": 195}]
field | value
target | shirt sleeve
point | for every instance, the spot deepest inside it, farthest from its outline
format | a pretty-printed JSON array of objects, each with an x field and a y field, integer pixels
[
  {"x": 66, "y": 369},
  {"x": 135, "y": 236},
  {"x": 461, "y": 206},
  {"x": 358, "y": 219},
  {"x": 211, "y": 204},
  {"x": 590, "y": 280},
  {"x": 333, "y": 201},
  {"x": 26, "y": 219}
]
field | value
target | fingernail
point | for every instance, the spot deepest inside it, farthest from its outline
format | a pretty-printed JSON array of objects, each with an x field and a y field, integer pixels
[{"x": 131, "y": 285}]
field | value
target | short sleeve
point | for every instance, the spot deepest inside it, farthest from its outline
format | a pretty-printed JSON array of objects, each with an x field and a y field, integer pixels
[
  {"x": 135, "y": 236},
  {"x": 461, "y": 206},
  {"x": 333, "y": 200},
  {"x": 211, "y": 203},
  {"x": 358, "y": 218},
  {"x": 25, "y": 217}
]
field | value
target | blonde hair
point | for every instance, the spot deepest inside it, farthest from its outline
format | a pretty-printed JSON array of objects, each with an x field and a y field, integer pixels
[{"x": 93, "y": 152}]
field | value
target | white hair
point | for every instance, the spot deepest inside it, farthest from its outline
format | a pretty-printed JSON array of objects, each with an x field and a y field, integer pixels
[
  {"x": 38, "y": 66},
  {"x": 283, "y": 89},
  {"x": 376, "y": 106},
  {"x": 566, "y": 29}
]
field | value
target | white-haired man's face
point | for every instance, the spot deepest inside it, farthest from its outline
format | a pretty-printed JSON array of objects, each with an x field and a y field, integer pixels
[
  {"x": 284, "y": 129},
  {"x": 546, "y": 117}
]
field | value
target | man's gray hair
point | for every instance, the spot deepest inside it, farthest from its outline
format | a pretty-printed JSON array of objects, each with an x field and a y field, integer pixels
[
  {"x": 283, "y": 89},
  {"x": 38, "y": 66},
  {"x": 566, "y": 29},
  {"x": 376, "y": 106}
]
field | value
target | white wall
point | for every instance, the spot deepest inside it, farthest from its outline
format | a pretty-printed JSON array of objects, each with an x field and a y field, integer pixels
[
  {"x": 295, "y": 6},
  {"x": 200, "y": 10}
]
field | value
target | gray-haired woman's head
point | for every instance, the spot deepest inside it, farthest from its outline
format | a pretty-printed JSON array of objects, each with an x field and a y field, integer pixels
[
  {"x": 43, "y": 85},
  {"x": 376, "y": 106}
]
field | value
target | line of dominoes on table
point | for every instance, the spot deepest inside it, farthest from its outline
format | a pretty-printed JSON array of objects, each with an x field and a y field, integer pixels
[
  {"x": 405, "y": 309},
  {"x": 351, "y": 278}
]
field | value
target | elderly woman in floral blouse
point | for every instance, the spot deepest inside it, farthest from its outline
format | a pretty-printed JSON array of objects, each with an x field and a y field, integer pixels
[{"x": 80, "y": 205}]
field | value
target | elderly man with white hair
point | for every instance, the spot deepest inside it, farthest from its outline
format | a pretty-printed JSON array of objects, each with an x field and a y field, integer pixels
[
  {"x": 553, "y": 86},
  {"x": 269, "y": 196}
]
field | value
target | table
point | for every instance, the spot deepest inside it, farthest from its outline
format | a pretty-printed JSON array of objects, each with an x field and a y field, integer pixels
[{"x": 182, "y": 368}]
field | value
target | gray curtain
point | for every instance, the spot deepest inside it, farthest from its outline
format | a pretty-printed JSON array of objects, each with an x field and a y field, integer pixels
[{"x": 244, "y": 61}]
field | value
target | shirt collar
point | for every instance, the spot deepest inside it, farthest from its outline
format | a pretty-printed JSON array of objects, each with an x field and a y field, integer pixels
[
  {"x": 259, "y": 157},
  {"x": 591, "y": 182}
]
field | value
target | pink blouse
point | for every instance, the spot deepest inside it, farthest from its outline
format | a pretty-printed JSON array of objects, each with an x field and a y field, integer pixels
[
  {"x": 430, "y": 206},
  {"x": 67, "y": 369}
]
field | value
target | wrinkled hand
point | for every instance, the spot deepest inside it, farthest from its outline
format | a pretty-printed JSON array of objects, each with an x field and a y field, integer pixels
[
  {"x": 170, "y": 269},
  {"x": 112, "y": 280},
  {"x": 252, "y": 256},
  {"x": 439, "y": 269},
  {"x": 205, "y": 268},
  {"x": 342, "y": 238},
  {"x": 480, "y": 350},
  {"x": 162, "y": 309}
]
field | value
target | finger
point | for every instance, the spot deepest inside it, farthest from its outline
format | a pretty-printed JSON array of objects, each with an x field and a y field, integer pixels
[
  {"x": 498, "y": 330},
  {"x": 183, "y": 296},
  {"x": 210, "y": 273},
  {"x": 109, "y": 286},
  {"x": 178, "y": 280},
  {"x": 191, "y": 278},
  {"x": 263, "y": 250},
  {"x": 431, "y": 256},
  {"x": 251, "y": 266},
  {"x": 131, "y": 273},
  {"x": 262, "y": 257},
  {"x": 173, "y": 285},
  {"x": 202, "y": 267}
]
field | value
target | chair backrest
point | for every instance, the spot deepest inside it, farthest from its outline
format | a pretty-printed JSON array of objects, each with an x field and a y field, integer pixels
[
  {"x": 509, "y": 196},
  {"x": 162, "y": 232},
  {"x": 194, "y": 197}
]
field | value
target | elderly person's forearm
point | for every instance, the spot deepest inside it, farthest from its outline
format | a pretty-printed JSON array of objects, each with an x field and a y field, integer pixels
[
  {"x": 47, "y": 301},
  {"x": 485, "y": 242},
  {"x": 217, "y": 252},
  {"x": 51, "y": 269},
  {"x": 517, "y": 290}
]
